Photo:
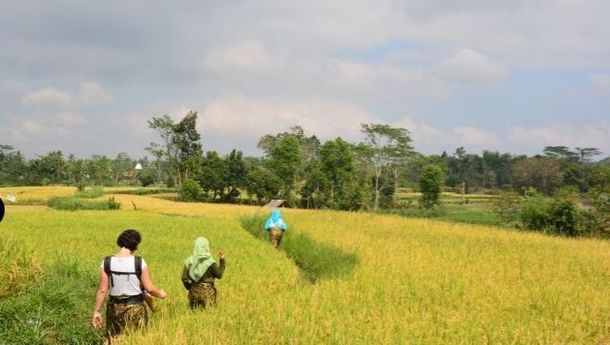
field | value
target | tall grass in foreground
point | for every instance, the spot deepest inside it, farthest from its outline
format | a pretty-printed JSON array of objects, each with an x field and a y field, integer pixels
[
  {"x": 417, "y": 281},
  {"x": 18, "y": 269},
  {"x": 53, "y": 310},
  {"x": 316, "y": 260}
]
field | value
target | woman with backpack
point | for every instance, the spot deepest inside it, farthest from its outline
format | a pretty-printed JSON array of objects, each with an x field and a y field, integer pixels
[
  {"x": 126, "y": 279},
  {"x": 199, "y": 272}
]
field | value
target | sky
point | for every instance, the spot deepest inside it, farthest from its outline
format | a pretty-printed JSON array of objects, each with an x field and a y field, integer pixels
[{"x": 515, "y": 76}]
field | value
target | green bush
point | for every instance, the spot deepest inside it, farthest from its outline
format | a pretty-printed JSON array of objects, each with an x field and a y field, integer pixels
[
  {"x": 90, "y": 193},
  {"x": 72, "y": 204},
  {"x": 430, "y": 183},
  {"x": 191, "y": 191},
  {"x": 558, "y": 215}
]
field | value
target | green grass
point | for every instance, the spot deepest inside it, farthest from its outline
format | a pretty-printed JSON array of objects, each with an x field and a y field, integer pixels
[
  {"x": 54, "y": 310},
  {"x": 316, "y": 260},
  {"x": 90, "y": 193},
  {"x": 73, "y": 204},
  {"x": 469, "y": 214},
  {"x": 143, "y": 191}
]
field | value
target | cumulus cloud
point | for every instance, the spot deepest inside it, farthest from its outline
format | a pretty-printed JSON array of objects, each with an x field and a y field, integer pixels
[
  {"x": 49, "y": 97},
  {"x": 471, "y": 66},
  {"x": 240, "y": 116},
  {"x": 89, "y": 93}
]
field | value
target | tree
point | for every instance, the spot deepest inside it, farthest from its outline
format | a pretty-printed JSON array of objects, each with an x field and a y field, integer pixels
[
  {"x": 181, "y": 144},
  {"x": 49, "y": 168},
  {"x": 262, "y": 182},
  {"x": 285, "y": 161},
  {"x": 585, "y": 154},
  {"x": 188, "y": 145},
  {"x": 213, "y": 174},
  {"x": 562, "y": 152},
  {"x": 157, "y": 151},
  {"x": 337, "y": 165},
  {"x": 430, "y": 184},
  {"x": 389, "y": 148},
  {"x": 236, "y": 175},
  {"x": 542, "y": 173}
]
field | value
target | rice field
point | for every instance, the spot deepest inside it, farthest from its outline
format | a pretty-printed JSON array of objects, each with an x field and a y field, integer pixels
[{"x": 416, "y": 281}]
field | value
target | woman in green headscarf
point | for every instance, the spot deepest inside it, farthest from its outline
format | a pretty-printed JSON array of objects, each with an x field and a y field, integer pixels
[{"x": 199, "y": 273}]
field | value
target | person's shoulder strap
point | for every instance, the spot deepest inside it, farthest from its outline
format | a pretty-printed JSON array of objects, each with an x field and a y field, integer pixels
[
  {"x": 138, "y": 266},
  {"x": 107, "y": 269}
]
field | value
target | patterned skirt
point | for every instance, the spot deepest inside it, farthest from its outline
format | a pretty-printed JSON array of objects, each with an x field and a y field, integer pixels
[
  {"x": 121, "y": 317},
  {"x": 202, "y": 295},
  {"x": 275, "y": 236}
]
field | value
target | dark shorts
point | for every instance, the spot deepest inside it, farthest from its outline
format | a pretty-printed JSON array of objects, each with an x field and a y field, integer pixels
[
  {"x": 202, "y": 295},
  {"x": 121, "y": 317},
  {"x": 275, "y": 236}
]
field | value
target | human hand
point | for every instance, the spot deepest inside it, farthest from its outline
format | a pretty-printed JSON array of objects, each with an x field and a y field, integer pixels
[
  {"x": 96, "y": 320},
  {"x": 162, "y": 294},
  {"x": 221, "y": 254}
]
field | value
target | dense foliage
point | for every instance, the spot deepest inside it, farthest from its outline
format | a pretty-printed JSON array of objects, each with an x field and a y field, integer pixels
[{"x": 337, "y": 174}]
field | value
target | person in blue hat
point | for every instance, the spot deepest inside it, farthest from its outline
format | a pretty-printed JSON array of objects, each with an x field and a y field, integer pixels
[{"x": 276, "y": 226}]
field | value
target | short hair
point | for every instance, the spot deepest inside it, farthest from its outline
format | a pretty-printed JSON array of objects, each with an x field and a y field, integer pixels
[{"x": 129, "y": 239}]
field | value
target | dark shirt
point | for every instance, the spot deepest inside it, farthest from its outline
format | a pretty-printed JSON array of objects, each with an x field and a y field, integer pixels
[{"x": 215, "y": 271}]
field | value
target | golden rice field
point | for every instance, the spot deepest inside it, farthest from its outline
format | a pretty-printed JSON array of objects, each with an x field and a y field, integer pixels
[{"x": 417, "y": 281}]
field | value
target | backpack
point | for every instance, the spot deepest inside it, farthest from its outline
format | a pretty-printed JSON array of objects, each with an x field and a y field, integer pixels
[{"x": 137, "y": 273}]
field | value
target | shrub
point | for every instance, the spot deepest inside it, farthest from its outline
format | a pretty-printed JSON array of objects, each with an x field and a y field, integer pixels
[
  {"x": 90, "y": 193},
  {"x": 73, "y": 204},
  {"x": 430, "y": 183},
  {"x": 191, "y": 191}
]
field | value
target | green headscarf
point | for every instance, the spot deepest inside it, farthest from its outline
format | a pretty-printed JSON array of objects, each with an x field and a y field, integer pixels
[{"x": 201, "y": 259}]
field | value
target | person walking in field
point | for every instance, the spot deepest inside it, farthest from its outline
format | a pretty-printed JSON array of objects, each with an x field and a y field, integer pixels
[
  {"x": 199, "y": 272},
  {"x": 127, "y": 279},
  {"x": 276, "y": 226}
]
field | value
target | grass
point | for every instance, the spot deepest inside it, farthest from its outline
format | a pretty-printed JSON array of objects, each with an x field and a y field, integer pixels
[
  {"x": 18, "y": 269},
  {"x": 417, "y": 281},
  {"x": 316, "y": 260},
  {"x": 76, "y": 203},
  {"x": 53, "y": 310},
  {"x": 469, "y": 214}
]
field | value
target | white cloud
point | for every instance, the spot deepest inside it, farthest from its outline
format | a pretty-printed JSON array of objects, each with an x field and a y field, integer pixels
[
  {"x": 243, "y": 55},
  {"x": 240, "y": 116},
  {"x": 583, "y": 135},
  {"x": 475, "y": 136},
  {"x": 49, "y": 97},
  {"x": 471, "y": 66},
  {"x": 88, "y": 94}
]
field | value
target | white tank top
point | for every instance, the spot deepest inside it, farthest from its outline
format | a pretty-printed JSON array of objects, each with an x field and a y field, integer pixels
[{"x": 124, "y": 284}]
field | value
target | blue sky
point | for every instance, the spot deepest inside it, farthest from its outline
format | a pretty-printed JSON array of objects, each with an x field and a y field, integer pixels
[{"x": 515, "y": 76}]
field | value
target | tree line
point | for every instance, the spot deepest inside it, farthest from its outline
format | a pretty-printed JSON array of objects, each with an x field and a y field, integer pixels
[{"x": 307, "y": 172}]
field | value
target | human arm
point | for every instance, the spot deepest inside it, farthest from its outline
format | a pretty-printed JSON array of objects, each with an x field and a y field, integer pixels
[
  {"x": 218, "y": 269},
  {"x": 100, "y": 295},
  {"x": 186, "y": 280},
  {"x": 148, "y": 285}
]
